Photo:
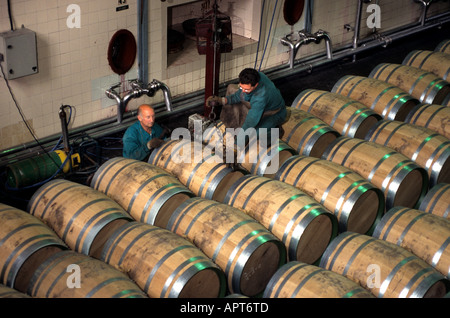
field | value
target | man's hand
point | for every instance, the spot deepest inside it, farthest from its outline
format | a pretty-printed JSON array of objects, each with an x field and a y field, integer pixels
[
  {"x": 216, "y": 99},
  {"x": 154, "y": 143}
]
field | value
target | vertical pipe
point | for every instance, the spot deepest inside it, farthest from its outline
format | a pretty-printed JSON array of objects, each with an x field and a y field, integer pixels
[
  {"x": 142, "y": 41},
  {"x": 357, "y": 24},
  {"x": 357, "y": 27},
  {"x": 309, "y": 14}
]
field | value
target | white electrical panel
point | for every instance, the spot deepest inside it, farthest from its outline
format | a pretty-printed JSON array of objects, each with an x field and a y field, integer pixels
[{"x": 19, "y": 52}]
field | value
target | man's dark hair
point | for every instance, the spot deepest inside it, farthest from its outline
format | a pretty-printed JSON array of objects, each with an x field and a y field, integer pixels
[{"x": 249, "y": 76}]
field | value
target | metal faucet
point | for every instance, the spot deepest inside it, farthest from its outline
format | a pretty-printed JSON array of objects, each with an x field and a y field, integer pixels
[
  {"x": 306, "y": 38},
  {"x": 137, "y": 90},
  {"x": 426, "y": 4},
  {"x": 321, "y": 34}
]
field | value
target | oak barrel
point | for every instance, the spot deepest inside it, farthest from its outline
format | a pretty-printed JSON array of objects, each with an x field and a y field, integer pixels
[
  {"x": 434, "y": 117},
  {"x": 347, "y": 116},
  {"x": 446, "y": 101},
  {"x": 307, "y": 134},
  {"x": 303, "y": 225},
  {"x": 69, "y": 274},
  {"x": 245, "y": 250},
  {"x": 437, "y": 63},
  {"x": 423, "y": 85},
  {"x": 384, "y": 268},
  {"x": 25, "y": 242},
  {"x": 425, "y": 147},
  {"x": 443, "y": 46},
  {"x": 148, "y": 193},
  {"x": 356, "y": 203},
  {"x": 77, "y": 213},
  {"x": 404, "y": 226},
  {"x": 402, "y": 181},
  {"x": 262, "y": 155},
  {"x": 262, "y": 161},
  {"x": 207, "y": 176},
  {"x": 300, "y": 280},
  {"x": 216, "y": 135},
  {"x": 437, "y": 200},
  {"x": 163, "y": 264},
  {"x": 385, "y": 99},
  {"x": 7, "y": 292}
]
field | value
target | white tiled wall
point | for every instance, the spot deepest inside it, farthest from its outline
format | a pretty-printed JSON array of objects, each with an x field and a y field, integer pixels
[{"x": 74, "y": 70}]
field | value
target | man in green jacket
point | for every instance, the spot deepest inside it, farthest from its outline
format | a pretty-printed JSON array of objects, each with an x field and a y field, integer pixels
[
  {"x": 266, "y": 106},
  {"x": 143, "y": 136}
]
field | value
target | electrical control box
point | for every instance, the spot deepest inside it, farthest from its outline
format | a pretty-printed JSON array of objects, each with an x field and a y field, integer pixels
[{"x": 19, "y": 52}]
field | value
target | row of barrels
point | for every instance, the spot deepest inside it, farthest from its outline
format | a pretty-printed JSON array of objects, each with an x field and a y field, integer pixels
[
  {"x": 202, "y": 229},
  {"x": 267, "y": 200},
  {"x": 157, "y": 260}
]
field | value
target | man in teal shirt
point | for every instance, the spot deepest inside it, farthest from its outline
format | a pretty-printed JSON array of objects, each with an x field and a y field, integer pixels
[
  {"x": 266, "y": 106},
  {"x": 143, "y": 136}
]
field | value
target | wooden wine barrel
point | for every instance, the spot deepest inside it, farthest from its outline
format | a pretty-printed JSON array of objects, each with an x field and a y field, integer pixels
[
  {"x": 384, "y": 268},
  {"x": 428, "y": 149},
  {"x": 347, "y": 116},
  {"x": 69, "y": 274},
  {"x": 402, "y": 181},
  {"x": 150, "y": 194},
  {"x": 265, "y": 161},
  {"x": 25, "y": 242},
  {"x": 437, "y": 200},
  {"x": 77, "y": 213},
  {"x": 261, "y": 156},
  {"x": 403, "y": 226},
  {"x": 307, "y": 134},
  {"x": 385, "y": 99},
  {"x": 236, "y": 296},
  {"x": 423, "y": 85},
  {"x": 207, "y": 176},
  {"x": 434, "y": 117},
  {"x": 437, "y": 63},
  {"x": 216, "y": 135},
  {"x": 446, "y": 101},
  {"x": 443, "y": 46},
  {"x": 7, "y": 292},
  {"x": 163, "y": 264},
  {"x": 356, "y": 203},
  {"x": 245, "y": 250},
  {"x": 300, "y": 280},
  {"x": 303, "y": 225}
]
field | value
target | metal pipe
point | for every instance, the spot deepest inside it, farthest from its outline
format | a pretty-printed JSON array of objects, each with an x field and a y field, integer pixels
[
  {"x": 321, "y": 34},
  {"x": 155, "y": 85},
  {"x": 142, "y": 39},
  {"x": 138, "y": 90},
  {"x": 304, "y": 38},
  {"x": 308, "y": 64},
  {"x": 357, "y": 24},
  {"x": 112, "y": 94},
  {"x": 292, "y": 52},
  {"x": 426, "y": 5}
]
